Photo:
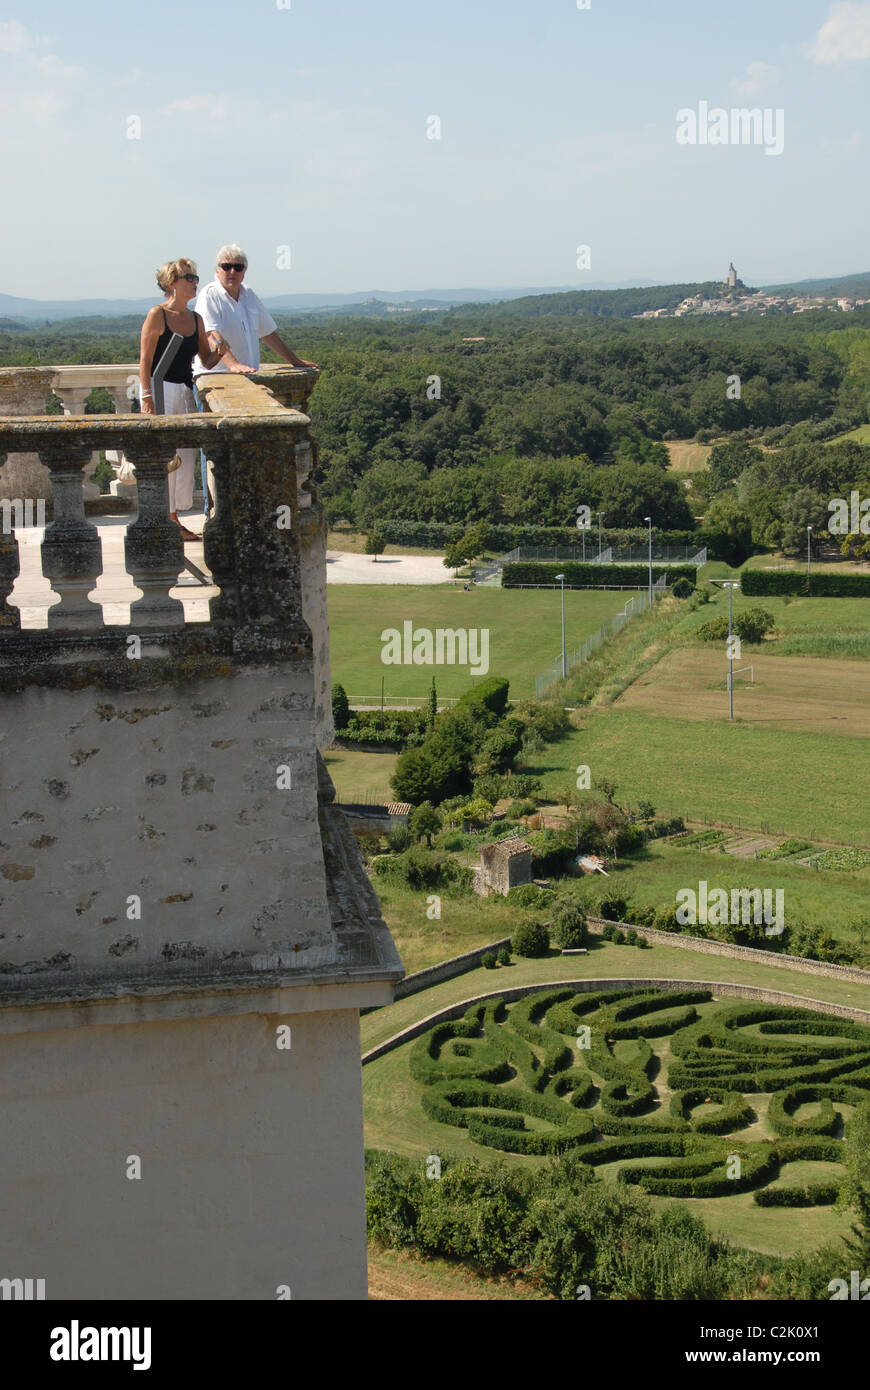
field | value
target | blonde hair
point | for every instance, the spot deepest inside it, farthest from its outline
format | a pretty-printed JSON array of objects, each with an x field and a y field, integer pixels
[
  {"x": 230, "y": 253},
  {"x": 173, "y": 270}
]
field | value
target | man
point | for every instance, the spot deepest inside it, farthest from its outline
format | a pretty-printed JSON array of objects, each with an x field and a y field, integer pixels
[
  {"x": 234, "y": 314},
  {"x": 229, "y": 308}
]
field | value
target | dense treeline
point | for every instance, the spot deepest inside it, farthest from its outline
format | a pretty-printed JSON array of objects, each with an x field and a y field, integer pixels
[{"x": 556, "y": 408}]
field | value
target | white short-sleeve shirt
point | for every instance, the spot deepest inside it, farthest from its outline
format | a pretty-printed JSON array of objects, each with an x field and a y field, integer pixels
[{"x": 243, "y": 322}]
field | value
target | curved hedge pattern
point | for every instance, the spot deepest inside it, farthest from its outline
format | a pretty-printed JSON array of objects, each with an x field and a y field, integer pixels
[{"x": 498, "y": 1067}]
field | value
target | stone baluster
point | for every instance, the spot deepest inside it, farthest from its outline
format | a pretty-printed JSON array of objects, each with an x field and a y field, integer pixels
[
  {"x": 72, "y": 555},
  {"x": 218, "y": 534},
  {"x": 123, "y": 396},
  {"x": 73, "y": 399},
  {"x": 10, "y": 565},
  {"x": 122, "y": 485},
  {"x": 153, "y": 548}
]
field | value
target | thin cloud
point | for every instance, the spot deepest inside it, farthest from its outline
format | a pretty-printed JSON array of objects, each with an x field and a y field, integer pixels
[
  {"x": 758, "y": 78},
  {"x": 845, "y": 35},
  {"x": 14, "y": 38},
  {"x": 52, "y": 66}
]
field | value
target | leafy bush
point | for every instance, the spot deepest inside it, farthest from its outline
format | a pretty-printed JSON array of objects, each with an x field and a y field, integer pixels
[
  {"x": 530, "y": 939},
  {"x": 493, "y": 787},
  {"x": 521, "y": 808},
  {"x": 569, "y": 925},
  {"x": 491, "y": 694},
  {"x": 399, "y": 839},
  {"x": 504, "y": 956},
  {"x": 420, "y": 868},
  {"x": 340, "y": 707},
  {"x": 714, "y": 630},
  {"x": 487, "y": 960},
  {"x": 752, "y": 623},
  {"x": 613, "y": 907},
  {"x": 682, "y": 587},
  {"x": 528, "y": 895},
  {"x": 389, "y": 728},
  {"x": 456, "y": 841}
]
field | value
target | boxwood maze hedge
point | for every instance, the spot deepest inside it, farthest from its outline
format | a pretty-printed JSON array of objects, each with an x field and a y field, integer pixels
[{"x": 581, "y": 1068}]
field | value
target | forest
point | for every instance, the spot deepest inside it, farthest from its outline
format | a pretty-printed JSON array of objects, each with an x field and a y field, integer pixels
[{"x": 521, "y": 411}]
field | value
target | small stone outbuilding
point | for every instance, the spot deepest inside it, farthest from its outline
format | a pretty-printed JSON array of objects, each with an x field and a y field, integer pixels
[{"x": 503, "y": 865}]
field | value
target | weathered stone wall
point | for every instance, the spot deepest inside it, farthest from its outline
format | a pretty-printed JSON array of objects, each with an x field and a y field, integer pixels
[
  {"x": 251, "y": 1158},
  {"x": 447, "y": 969},
  {"x": 171, "y": 796},
  {"x": 24, "y": 391},
  {"x": 312, "y": 563}
]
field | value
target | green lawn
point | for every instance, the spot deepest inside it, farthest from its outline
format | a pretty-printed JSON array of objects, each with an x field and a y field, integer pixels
[
  {"x": 524, "y": 626},
  {"x": 800, "y": 784},
  {"x": 360, "y": 776}
]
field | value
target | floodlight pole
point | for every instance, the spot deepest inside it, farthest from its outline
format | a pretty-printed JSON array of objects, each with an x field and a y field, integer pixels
[
  {"x": 600, "y": 514},
  {"x": 648, "y": 520},
  {"x": 564, "y": 661}
]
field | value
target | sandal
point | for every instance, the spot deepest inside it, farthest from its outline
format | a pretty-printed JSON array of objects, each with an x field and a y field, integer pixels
[{"x": 187, "y": 535}]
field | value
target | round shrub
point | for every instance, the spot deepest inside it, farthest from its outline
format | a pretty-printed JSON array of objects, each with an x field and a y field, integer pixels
[
  {"x": 569, "y": 925},
  {"x": 618, "y": 937},
  {"x": 504, "y": 956},
  {"x": 631, "y": 937},
  {"x": 400, "y": 839},
  {"x": 642, "y": 943},
  {"x": 487, "y": 960},
  {"x": 530, "y": 939},
  {"x": 613, "y": 907},
  {"x": 682, "y": 587}
]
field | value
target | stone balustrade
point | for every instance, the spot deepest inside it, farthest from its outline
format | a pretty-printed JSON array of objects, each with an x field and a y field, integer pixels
[
  {"x": 25, "y": 391},
  {"x": 265, "y": 545},
  {"x": 262, "y": 455}
]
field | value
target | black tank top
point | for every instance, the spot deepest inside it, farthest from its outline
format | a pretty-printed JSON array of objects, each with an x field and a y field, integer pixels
[{"x": 181, "y": 370}]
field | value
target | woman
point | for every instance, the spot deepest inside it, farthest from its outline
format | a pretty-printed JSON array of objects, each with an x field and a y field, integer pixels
[{"x": 178, "y": 280}]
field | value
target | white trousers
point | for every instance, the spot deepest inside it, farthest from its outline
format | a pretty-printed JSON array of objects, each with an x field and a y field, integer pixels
[{"x": 178, "y": 400}]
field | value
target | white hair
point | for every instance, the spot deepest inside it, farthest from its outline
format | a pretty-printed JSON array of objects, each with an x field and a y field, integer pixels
[{"x": 230, "y": 253}]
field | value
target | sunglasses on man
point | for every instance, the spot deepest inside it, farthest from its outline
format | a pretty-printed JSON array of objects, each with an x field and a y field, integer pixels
[{"x": 232, "y": 265}]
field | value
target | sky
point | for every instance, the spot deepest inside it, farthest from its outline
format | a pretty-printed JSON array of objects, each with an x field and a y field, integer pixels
[{"x": 303, "y": 130}]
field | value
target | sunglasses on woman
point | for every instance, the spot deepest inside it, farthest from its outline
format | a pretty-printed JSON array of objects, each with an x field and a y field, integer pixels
[
  {"x": 194, "y": 279},
  {"x": 232, "y": 265}
]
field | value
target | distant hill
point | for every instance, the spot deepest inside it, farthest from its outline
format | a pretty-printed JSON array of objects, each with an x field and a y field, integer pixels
[
  {"x": 619, "y": 304},
  {"x": 368, "y": 302},
  {"x": 850, "y": 286}
]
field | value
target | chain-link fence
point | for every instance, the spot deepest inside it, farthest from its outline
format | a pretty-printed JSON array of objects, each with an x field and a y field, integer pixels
[{"x": 609, "y": 628}]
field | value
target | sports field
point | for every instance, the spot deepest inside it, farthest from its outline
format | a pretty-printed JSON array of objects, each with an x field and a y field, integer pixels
[
  {"x": 524, "y": 633},
  {"x": 782, "y": 692}
]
